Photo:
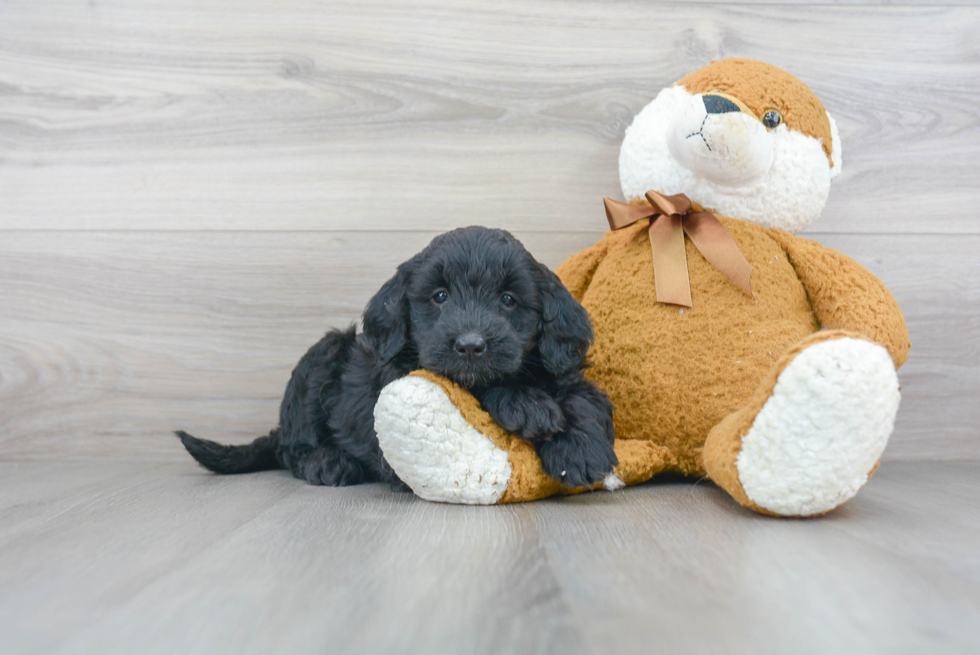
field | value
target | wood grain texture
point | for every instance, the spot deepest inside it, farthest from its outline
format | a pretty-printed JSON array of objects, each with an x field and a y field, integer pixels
[
  {"x": 112, "y": 340},
  {"x": 192, "y": 192},
  {"x": 134, "y": 557},
  {"x": 312, "y": 115}
]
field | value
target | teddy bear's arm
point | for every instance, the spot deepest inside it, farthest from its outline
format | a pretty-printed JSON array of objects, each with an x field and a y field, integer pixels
[
  {"x": 845, "y": 295},
  {"x": 577, "y": 271}
]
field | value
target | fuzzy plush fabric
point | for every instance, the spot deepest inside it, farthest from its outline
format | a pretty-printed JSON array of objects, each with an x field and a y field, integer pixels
[
  {"x": 798, "y": 159},
  {"x": 677, "y": 375},
  {"x": 763, "y": 87},
  {"x": 818, "y": 437},
  {"x": 423, "y": 434},
  {"x": 527, "y": 479},
  {"x": 673, "y": 373},
  {"x": 785, "y": 398},
  {"x": 448, "y": 449},
  {"x": 813, "y": 431},
  {"x": 846, "y": 296}
]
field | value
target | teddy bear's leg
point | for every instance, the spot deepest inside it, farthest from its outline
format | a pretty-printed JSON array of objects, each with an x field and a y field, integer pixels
[
  {"x": 434, "y": 449},
  {"x": 442, "y": 444},
  {"x": 813, "y": 433}
]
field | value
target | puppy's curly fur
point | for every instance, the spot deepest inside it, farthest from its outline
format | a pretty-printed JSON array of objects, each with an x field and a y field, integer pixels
[{"x": 473, "y": 306}]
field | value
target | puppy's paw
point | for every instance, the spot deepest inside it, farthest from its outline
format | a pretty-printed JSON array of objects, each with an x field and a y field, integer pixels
[
  {"x": 525, "y": 411},
  {"x": 578, "y": 457}
]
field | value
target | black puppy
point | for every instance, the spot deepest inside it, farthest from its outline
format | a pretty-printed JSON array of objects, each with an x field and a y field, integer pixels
[{"x": 473, "y": 306}]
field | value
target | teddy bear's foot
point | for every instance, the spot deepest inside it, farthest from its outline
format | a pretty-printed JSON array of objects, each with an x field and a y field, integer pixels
[
  {"x": 434, "y": 450},
  {"x": 441, "y": 443},
  {"x": 813, "y": 434}
]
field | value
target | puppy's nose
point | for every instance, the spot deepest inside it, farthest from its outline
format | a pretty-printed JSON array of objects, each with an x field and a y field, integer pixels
[{"x": 470, "y": 345}]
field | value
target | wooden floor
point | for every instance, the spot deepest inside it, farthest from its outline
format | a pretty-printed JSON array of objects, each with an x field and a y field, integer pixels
[{"x": 129, "y": 558}]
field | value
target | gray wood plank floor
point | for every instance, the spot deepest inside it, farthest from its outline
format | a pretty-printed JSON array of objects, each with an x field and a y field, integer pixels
[{"x": 124, "y": 557}]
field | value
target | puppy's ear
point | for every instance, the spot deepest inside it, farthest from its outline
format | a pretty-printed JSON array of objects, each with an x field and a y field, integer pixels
[
  {"x": 566, "y": 331},
  {"x": 386, "y": 316}
]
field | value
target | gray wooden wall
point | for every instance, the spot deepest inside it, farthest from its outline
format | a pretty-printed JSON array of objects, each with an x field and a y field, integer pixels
[{"x": 192, "y": 191}]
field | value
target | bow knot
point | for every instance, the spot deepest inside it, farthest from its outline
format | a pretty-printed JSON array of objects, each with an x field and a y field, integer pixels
[{"x": 671, "y": 217}]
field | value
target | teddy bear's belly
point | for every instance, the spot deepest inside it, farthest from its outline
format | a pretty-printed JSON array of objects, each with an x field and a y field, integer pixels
[{"x": 673, "y": 373}]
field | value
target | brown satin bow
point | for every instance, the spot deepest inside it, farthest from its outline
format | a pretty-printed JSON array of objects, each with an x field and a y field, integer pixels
[{"x": 671, "y": 217}]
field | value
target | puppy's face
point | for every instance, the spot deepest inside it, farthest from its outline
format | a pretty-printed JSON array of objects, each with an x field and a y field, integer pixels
[{"x": 474, "y": 306}]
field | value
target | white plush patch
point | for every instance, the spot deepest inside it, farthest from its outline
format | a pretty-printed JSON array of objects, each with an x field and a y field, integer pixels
[
  {"x": 433, "y": 449},
  {"x": 789, "y": 196},
  {"x": 821, "y": 432},
  {"x": 613, "y": 482},
  {"x": 729, "y": 149}
]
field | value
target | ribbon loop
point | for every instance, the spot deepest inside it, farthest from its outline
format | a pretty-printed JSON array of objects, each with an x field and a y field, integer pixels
[
  {"x": 670, "y": 218},
  {"x": 669, "y": 205},
  {"x": 621, "y": 215}
]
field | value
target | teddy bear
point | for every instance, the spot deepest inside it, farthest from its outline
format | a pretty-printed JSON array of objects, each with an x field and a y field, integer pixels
[{"x": 730, "y": 348}]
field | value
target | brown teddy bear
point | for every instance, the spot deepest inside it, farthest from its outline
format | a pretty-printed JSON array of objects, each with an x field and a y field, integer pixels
[{"x": 729, "y": 347}]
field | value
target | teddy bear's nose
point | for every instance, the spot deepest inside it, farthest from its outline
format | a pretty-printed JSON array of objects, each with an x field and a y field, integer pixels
[{"x": 718, "y": 104}]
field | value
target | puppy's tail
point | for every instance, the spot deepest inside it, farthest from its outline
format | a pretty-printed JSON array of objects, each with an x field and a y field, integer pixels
[{"x": 260, "y": 455}]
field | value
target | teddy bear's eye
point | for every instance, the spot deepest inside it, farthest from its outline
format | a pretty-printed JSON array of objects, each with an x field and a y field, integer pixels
[{"x": 772, "y": 119}]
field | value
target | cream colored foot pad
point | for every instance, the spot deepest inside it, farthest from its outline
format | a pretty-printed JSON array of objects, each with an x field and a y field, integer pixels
[
  {"x": 815, "y": 441},
  {"x": 434, "y": 450}
]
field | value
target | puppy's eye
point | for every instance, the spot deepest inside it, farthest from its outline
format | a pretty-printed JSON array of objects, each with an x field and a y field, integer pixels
[
  {"x": 508, "y": 300},
  {"x": 440, "y": 296},
  {"x": 772, "y": 119}
]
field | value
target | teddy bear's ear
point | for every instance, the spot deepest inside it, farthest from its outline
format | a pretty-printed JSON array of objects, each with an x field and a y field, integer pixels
[{"x": 835, "y": 153}]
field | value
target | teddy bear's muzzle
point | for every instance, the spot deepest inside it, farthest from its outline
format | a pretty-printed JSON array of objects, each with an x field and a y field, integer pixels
[{"x": 720, "y": 141}]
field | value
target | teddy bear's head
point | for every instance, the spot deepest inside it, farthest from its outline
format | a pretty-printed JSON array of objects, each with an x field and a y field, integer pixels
[{"x": 740, "y": 136}]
